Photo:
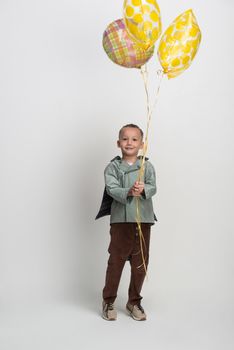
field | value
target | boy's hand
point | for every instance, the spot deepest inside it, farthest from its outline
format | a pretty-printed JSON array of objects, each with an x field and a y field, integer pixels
[{"x": 137, "y": 189}]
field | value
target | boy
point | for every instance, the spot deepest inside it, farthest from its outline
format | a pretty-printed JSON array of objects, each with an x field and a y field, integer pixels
[{"x": 121, "y": 188}]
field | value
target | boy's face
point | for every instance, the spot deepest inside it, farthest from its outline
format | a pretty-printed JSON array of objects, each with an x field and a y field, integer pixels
[{"x": 130, "y": 142}]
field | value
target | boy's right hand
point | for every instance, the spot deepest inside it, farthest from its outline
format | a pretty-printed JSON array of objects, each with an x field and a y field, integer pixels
[{"x": 137, "y": 189}]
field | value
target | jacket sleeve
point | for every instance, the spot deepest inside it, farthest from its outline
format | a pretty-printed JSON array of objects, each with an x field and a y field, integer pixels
[
  {"x": 113, "y": 186},
  {"x": 150, "y": 182}
]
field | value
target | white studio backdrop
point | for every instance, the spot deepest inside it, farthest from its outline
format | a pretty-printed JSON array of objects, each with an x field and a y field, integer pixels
[{"x": 62, "y": 102}]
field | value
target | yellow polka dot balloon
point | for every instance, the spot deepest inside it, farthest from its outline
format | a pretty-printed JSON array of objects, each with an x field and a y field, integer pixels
[
  {"x": 143, "y": 21},
  {"x": 179, "y": 44}
]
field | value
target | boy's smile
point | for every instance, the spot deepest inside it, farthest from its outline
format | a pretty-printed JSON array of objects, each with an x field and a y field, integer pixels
[{"x": 130, "y": 142}]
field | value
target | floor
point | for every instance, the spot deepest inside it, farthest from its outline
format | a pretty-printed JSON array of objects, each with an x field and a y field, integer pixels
[{"x": 68, "y": 326}]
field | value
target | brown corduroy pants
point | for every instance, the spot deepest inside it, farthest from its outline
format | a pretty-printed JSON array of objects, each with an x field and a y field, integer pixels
[{"x": 125, "y": 245}]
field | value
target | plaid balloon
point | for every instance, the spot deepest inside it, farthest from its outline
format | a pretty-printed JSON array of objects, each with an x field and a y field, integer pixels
[{"x": 121, "y": 49}]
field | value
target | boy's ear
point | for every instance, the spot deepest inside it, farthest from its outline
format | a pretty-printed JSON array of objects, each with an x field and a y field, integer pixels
[
  {"x": 118, "y": 143},
  {"x": 142, "y": 145}
]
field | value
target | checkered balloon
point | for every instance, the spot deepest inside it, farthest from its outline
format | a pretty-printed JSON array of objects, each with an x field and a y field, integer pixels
[{"x": 121, "y": 49}]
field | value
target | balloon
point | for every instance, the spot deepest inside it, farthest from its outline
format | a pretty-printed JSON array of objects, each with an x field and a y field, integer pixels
[
  {"x": 121, "y": 49},
  {"x": 143, "y": 21},
  {"x": 179, "y": 44}
]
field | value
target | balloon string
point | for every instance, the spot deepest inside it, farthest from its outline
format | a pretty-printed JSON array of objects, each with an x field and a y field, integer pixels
[{"x": 144, "y": 74}]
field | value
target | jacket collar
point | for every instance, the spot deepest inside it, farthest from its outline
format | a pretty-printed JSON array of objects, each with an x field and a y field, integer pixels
[{"x": 124, "y": 166}]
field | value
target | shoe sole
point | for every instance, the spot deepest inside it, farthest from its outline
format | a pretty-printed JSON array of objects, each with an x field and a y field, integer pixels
[
  {"x": 108, "y": 319},
  {"x": 135, "y": 318}
]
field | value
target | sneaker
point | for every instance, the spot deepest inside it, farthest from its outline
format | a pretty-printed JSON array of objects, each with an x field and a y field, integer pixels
[
  {"x": 136, "y": 312},
  {"x": 108, "y": 311}
]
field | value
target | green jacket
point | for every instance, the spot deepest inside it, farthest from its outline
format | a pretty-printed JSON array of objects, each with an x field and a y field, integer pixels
[{"x": 119, "y": 178}]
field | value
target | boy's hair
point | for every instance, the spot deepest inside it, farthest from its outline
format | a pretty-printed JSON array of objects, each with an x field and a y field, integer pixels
[{"x": 131, "y": 126}]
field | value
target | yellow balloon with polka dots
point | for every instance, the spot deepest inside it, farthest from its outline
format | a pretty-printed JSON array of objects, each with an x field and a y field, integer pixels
[
  {"x": 143, "y": 21},
  {"x": 179, "y": 44}
]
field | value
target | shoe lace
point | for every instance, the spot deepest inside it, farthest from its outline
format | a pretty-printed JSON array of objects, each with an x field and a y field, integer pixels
[
  {"x": 109, "y": 306},
  {"x": 139, "y": 307}
]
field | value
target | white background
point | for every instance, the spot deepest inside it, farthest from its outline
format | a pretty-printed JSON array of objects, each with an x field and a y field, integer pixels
[{"x": 62, "y": 102}]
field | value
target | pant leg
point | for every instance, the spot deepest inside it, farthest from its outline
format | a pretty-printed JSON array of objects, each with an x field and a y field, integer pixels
[
  {"x": 137, "y": 267},
  {"x": 120, "y": 248}
]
